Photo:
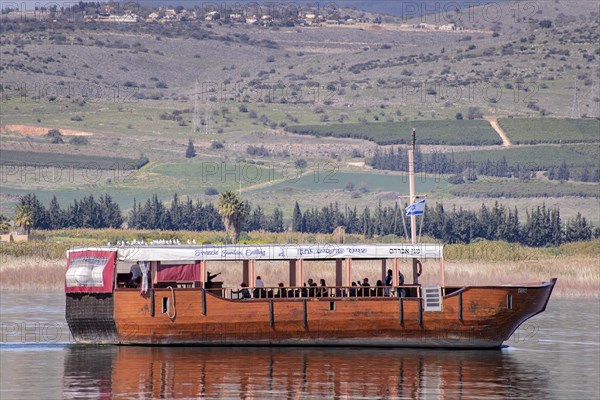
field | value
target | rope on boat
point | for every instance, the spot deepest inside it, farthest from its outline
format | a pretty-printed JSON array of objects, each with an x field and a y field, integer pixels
[{"x": 172, "y": 317}]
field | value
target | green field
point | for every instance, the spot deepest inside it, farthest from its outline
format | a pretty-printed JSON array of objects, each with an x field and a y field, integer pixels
[
  {"x": 450, "y": 132},
  {"x": 516, "y": 188},
  {"x": 222, "y": 175},
  {"x": 71, "y": 160},
  {"x": 536, "y": 158},
  {"x": 551, "y": 130},
  {"x": 327, "y": 180}
]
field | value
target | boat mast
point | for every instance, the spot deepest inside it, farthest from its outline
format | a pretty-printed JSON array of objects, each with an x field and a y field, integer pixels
[
  {"x": 413, "y": 199},
  {"x": 411, "y": 179}
]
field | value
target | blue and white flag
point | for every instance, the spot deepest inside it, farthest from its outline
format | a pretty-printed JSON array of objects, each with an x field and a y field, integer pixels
[{"x": 416, "y": 208}]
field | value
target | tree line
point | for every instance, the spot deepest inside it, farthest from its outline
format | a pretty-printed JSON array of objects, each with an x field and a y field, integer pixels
[
  {"x": 442, "y": 163},
  {"x": 198, "y": 216},
  {"x": 541, "y": 226},
  {"x": 84, "y": 213}
]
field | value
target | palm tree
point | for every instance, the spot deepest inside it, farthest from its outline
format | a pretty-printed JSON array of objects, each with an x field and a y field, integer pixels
[
  {"x": 4, "y": 224},
  {"x": 24, "y": 218},
  {"x": 233, "y": 211}
]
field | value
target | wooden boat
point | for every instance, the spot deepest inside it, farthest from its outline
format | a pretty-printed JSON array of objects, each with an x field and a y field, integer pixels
[
  {"x": 178, "y": 305},
  {"x": 102, "y": 307}
]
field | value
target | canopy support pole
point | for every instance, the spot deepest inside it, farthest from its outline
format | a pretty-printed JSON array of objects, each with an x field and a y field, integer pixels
[
  {"x": 339, "y": 272},
  {"x": 293, "y": 273},
  {"x": 249, "y": 272},
  {"x": 348, "y": 281},
  {"x": 442, "y": 276}
]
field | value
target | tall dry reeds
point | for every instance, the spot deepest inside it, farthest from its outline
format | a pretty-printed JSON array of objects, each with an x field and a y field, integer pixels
[
  {"x": 31, "y": 274},
  {"x": 40, "y": 265}
]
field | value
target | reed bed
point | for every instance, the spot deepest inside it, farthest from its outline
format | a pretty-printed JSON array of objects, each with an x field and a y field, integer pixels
[
  {"x": 30, "y": 274},
  {"x": 39, "y": 265},
  {"x": 578, "y": 277}
]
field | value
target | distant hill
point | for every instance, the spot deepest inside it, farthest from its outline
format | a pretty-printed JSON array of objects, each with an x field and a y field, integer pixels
[
  {"x": 390, "y": 7},
  {"x": 408, "y": 8}
]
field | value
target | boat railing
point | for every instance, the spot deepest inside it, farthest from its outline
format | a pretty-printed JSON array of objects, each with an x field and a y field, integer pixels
[{"x": 310, "y": 292}]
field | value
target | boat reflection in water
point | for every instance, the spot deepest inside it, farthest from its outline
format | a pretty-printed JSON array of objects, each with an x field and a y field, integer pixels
[{"x": 256, "y": 373}]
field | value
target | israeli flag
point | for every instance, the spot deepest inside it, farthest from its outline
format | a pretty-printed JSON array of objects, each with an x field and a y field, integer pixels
[{"x": 416, "y": 208}]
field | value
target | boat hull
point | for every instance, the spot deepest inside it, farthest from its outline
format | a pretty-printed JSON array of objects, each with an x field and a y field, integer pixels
[{"x": 471, "y": 317}]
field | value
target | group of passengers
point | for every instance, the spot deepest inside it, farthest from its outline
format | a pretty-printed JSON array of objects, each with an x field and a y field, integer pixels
[
  {"x": 281, "y": 292},
  {"x": 311, "y": 289}
]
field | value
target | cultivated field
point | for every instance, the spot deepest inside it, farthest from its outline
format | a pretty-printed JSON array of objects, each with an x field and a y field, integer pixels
[
  {"x": 551, "y": 130},
  {"x": 447, "y": 132}
]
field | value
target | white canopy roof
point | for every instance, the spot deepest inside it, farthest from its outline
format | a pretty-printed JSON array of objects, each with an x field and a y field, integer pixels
[{"x": 272, "y": 252}]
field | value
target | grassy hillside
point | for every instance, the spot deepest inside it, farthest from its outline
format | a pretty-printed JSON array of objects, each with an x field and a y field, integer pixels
[{"x": 141, "y": 89}]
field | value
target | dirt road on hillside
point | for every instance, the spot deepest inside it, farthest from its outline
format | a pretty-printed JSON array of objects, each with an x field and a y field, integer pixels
[{"x": 494, "y": 123}]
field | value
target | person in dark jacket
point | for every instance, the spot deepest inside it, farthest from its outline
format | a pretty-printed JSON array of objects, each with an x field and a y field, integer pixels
[
  {"x": 282, "y": 292},
  {"x": 244, "y": 291},
  {"x": 323, "y": 289},
  {"x": 352, "y": 292},
  {"x": 312, "y": 291},
  {"x": 366, "y": 287}
]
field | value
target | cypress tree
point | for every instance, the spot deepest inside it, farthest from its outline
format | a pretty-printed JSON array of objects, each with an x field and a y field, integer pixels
[
  {"x": 176, "y": 218},
  {"x": 585, "y": 174},
  {"x": 563, "y": 172},
  {"x": 556, "y": 234},
  {"x": 297, "y": 219},
  {"x": 578, "y": 229},
  {"x": 110, "y": 213},
  {"x": 276, "y": 221},
  {"x": 257, "y": 221},
  {"x": 552, "y": 173},
  {"x": 596, "y": 177},
  {"x": 133, "y": 221},
  {"x": 190, "y": 152},
  {"x": 56, "y": 216},
  {"x": 366, "y": 223}
]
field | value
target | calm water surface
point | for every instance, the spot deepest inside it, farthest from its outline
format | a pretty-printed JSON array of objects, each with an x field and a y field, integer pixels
[{"x": 556, "y": 355}]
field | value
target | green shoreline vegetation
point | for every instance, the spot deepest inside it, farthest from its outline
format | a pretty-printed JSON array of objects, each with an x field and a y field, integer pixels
[{"x": 39, "y": 265}]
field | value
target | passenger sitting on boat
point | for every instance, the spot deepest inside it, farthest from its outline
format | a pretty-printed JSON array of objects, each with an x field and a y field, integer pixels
[
  {"x": 312, "y": 292},
  {"x": 282, "y": 292},
  {"x": 259, "y": 282},
  {"x": 402, "y": 292},
  {"x": 378, "y": 291},
  {"x": 352, "y": 290},
  {"x": 259, "y": 289},
  {"x": 136, "y": 275},
  {"x": 388, "y": 282},
  {"x": 366, "y": 291},
  {"x": 323, "y": 289},
  {"x": 245, "y": 292},
  {"x": 304, "y": 291}
]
